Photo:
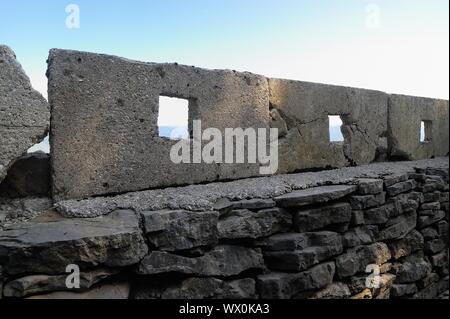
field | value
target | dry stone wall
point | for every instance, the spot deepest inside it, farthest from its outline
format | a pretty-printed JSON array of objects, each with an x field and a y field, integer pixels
[{"x": 309, "y": 236}]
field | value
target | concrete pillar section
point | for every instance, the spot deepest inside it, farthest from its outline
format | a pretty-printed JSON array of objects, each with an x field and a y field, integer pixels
[
  {"x": 24, "y": 113},
  {"x": 104, "y": 133}
]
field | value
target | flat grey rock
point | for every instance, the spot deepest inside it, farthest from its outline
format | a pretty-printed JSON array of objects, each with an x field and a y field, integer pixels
[
  {"x": 398, "y": 227},
  {"x": 24, "y": 113},
  {"x": 221, "y": 261},
  {"x": 166, "y": 230},
  {"x": 299, "y": 260},
  {"x": 40, "y": 284},
  {"x": 367, "y": 201},
  {"x": 337, "y": 290},
  {"x": 110, "y": 291},
  {"x": 370, "y": 186},
  {"x": 47, "y": 247},
  {"x": 362, "y": 235},
  {"x": 245, "y": 224},
  {"x": 410, "y": 271},
  {"x": 314, "y": 195},
  {"x": 356, "y": 259},
  {"x": 212, "y": 288},
  {"x": 325, "y": 216},
  {"x": 400, "y": 290},
  {"x": 279, "y": 285}
]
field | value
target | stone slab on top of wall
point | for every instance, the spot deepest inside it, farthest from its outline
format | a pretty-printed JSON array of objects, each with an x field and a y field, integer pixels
[
  {"x": 303, "y": 109},
  {"x": 24, "y": 113},
  {"x": 104, "y": 132},
  {"x": 405, "y": 116}
]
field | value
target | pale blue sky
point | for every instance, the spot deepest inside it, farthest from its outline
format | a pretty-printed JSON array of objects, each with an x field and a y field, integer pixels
[{"x": 324, "y": 41}]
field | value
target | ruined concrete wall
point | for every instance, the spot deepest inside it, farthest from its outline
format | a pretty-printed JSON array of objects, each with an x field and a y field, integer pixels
[
  {"x": 308, "y": 235},
  {"x": 305, "y": 108},
  {"x": 104, "y": 133},
  {"x": 405, "y": 116},
  {"x": 24, "y": 113}
]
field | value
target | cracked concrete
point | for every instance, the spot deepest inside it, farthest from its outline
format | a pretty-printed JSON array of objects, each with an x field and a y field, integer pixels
[
  {"x": 405, "y": 116},
  {"x": 306, "y": 106}
]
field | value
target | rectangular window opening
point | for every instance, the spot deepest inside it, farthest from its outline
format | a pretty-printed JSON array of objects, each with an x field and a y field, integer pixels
[
  {"x": 425, "y": 131},
  {"x": 173, "y": 117},
  {"x": 335, "y": 132}
]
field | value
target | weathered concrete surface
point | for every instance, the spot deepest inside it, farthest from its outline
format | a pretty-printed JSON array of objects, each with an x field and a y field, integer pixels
[
  {"x": 305, "y": 108},
  {"x": 244, "y": 224},
  {"x": 314, "y": 195},
  {"x": 204, "y": 197},
  {"x": 405, "y": 116},
  {"x": 104, "y": 133},
  {"x": 211, "y": 288},
  {"x": 24, "y": 113}
]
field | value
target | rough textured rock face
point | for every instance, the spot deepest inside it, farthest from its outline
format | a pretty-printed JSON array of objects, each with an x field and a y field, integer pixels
[
  {"x": 305, "y": 108},
  {"x": 24, "y": 113},
  {"x": 118, "y": 290},
  {"x": 108, "y": 106},
  {"x": 221, "y": 261},
  {"x": 180, "y": 230},
  {"x": 47, "y": 247},
  {"x": 314, "y": 195},
  {"x": 211, "y": 288},
  {"x": 303, "y": 242},
  {"x": 405, "y": 116}
]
